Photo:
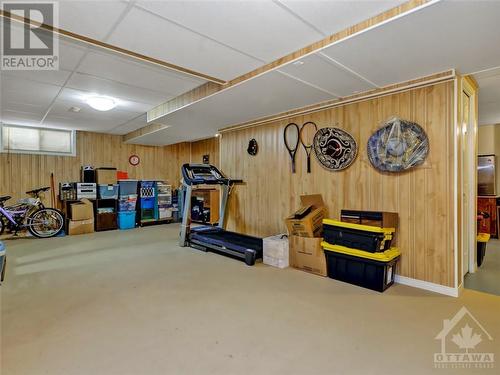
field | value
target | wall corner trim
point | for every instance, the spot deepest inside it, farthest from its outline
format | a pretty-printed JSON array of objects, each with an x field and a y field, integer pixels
[{"x": 426, "y": 285}]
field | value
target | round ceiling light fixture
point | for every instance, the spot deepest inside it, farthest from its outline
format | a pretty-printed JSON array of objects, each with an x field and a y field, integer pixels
[{"x": 101, "y": 103}]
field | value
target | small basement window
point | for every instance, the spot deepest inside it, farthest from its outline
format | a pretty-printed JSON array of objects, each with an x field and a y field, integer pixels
[{"x": 31, "y": 140}]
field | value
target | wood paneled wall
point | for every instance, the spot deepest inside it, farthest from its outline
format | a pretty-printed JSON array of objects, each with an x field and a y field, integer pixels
[
  {"x": 423, "y": 197},
  {"x": 21, "y": 172},
  {"x": 209, "y": 146}
]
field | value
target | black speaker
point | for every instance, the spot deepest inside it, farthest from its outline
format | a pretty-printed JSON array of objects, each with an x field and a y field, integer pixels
[{"x": 87, "y": 174}]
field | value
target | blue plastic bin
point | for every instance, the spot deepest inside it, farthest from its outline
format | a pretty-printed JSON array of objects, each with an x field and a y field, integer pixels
[
  {"x": 126, "y": 220},
  {"x": 128, "y": 187},
  {"x": 127, "y": 203},
  {"x": 108, "y": 191},
  {"x": 3, "y": 261}
]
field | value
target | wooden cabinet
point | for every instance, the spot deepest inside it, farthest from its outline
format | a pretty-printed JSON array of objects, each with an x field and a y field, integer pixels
[
  {"x": 205, "y": 206},
  {"x": 489, "y": 205}
]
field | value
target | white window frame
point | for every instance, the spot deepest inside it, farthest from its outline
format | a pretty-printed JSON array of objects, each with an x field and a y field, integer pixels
[{"x": 32, "y": 152}]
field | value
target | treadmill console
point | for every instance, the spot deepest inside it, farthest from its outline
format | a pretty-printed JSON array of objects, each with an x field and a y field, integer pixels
[{"x": 203, "y": 174}]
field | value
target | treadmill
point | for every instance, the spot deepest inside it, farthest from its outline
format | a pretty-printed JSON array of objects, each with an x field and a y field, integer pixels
[{"x": 214, "y": 238}]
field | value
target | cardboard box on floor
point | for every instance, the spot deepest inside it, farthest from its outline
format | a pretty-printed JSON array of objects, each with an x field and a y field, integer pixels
[
  {"x": 83, "y": 210},
  {"x": 307, "y": 221},
  {"x": 307, "y": 254},
  {"x": 80, "y": 226}
]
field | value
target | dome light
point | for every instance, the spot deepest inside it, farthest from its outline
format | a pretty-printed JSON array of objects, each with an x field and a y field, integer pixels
[{"x": 101, "y": 103}]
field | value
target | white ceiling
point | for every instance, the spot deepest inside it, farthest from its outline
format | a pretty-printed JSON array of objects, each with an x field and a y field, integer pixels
[
  {"x": 43, "y": 98},
  {"x": 228, "y": 38},
  {"x": 420, "y": 43},
  {"x": 489, "y": 96},
  {"x": 264, "y": 95}
]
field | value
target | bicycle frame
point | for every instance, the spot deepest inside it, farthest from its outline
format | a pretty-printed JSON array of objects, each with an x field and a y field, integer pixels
[{"x": 19, "y": 209}]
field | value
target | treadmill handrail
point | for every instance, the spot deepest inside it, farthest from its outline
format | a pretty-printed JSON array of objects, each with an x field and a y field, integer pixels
[{"x": 188, "y": 180}]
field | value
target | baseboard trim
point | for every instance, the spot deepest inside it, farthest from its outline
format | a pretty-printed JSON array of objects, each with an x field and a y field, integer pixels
[{"x": 441, "y": 289}]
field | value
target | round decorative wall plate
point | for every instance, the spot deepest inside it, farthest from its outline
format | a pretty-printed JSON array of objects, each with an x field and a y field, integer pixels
[
  {"x": 397, "y": 146},
  {"x": 134, "y": 160},
  {"x": 335, "y": 148},
  {"x": 253, "y": 147}
]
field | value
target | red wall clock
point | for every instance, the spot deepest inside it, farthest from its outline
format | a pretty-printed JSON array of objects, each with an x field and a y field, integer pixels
[{"x": 134, "y": 160}]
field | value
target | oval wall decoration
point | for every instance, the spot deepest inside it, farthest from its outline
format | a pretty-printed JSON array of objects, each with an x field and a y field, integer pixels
[
  {"x": 398, "y": 146},
  {"x": 334, "y": 148}
]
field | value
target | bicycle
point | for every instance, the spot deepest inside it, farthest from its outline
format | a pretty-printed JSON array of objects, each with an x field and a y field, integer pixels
[{"x": 30, "y": 213}]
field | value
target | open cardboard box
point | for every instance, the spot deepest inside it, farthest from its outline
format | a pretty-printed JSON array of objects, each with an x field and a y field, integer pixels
[{"x": 307, "y": 221}]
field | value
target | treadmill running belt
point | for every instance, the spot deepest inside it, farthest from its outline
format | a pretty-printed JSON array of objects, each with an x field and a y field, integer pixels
[{"x": 230, "y": 240}]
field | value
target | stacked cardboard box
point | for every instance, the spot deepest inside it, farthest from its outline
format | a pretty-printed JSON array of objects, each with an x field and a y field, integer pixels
[
  {"x": 305, "y": 227},
  {"x": 81, "y": 217}
]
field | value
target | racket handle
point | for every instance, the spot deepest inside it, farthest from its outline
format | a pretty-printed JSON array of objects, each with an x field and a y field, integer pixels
[
  {"x": 293, "y": 166},
  {"x": 309, "y": 164}
]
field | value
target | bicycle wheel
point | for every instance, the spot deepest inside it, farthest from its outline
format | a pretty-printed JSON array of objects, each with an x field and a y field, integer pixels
[{"x": 47, "y": 222}]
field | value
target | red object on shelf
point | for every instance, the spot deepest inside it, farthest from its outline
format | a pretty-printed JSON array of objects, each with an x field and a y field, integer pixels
[
  {"x": 121, "y": 175},
  {"x": 488, "y": 225}
]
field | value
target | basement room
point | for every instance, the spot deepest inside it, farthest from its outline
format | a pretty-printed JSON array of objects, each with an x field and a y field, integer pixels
[{"x": 249, "y": 187}]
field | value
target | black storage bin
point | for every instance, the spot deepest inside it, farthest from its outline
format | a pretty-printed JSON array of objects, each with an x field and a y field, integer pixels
[
  {"x": 356, "y": 236},
  {"x": 368, "y": 273},
  {"x": 482, "y": 240}
]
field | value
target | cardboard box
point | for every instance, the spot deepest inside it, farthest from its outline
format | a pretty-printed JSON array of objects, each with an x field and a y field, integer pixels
[
  {"x": 307, "y": 255},
  {"x": 83, "y": 210},
  {"x": 106, "y": 176},
  {"x": 80, "y": 227},
  {"x": 307, "y": 221}
]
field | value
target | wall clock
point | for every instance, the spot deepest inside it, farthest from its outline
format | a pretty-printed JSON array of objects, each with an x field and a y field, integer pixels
[{"x": 134, "y": 160}]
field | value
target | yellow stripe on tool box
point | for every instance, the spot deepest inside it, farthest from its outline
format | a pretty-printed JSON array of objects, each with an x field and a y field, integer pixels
[
  {"x": 370, "y": 270},
  {"x": 357, "y": 236}
]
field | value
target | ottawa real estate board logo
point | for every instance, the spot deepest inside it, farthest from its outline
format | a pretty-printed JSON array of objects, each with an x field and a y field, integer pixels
[
  {"x": 465, "y": 343},
  {"x": 27, "y": 41}
]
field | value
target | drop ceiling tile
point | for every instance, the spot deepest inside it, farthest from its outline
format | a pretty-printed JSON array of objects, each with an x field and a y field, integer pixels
[
  {"x": 265, "y": 95},
  {"x": 140, "y": 74},
  {"x": 130, "y": 126},
  {"x": 333, "y": 16},
  {"x": 324, "y": 73},
  {"x": 93, "y": 19},
  {"x": 68, "y": 122},
  {"x": 426, "y": 43},
  {"x": 53, "y": 77},
  {"x": 99, "y": 86},
  {"x": 166, "y": 41},
  {"x": 20, "y": 118},
  {"x": 70, "y": 53},
  {"x": 262, "y": 29},
  {"x": 18, "y": 90}
]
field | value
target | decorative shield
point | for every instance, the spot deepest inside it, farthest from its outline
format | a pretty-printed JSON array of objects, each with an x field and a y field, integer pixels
[
  {"x": 397, "y": 146},
  {"x": 335, "y": 148}
]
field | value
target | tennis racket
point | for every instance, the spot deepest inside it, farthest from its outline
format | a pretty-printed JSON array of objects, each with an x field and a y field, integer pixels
[
  {"x": 306, "y": 135},
  {"x": 291, "y": 138}
]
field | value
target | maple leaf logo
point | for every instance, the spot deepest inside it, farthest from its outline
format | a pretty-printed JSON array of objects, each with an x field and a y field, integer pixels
[{"x": 466, "y": 339}]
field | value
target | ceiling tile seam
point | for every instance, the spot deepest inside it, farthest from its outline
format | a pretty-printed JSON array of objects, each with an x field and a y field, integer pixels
[
  {"x": 51, "y": 105},
  {"x": 200, "y": 34},
  {"x": 124, "y": 84},
  {"x": 337, "y": 63},
  {"x": 309, "y": 84},
  {"x": 9, "y": 73},
  {"x": 486, "y": 71},
  {"x": 304, "y": 21},
  {"x": 87, "y": 49},
  {"x": 120, "y": 18}
]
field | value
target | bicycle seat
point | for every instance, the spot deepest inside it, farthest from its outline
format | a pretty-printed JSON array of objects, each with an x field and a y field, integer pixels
[
  {"x": 39, "y": 190},
  {"x": 5, "y": 198}
]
